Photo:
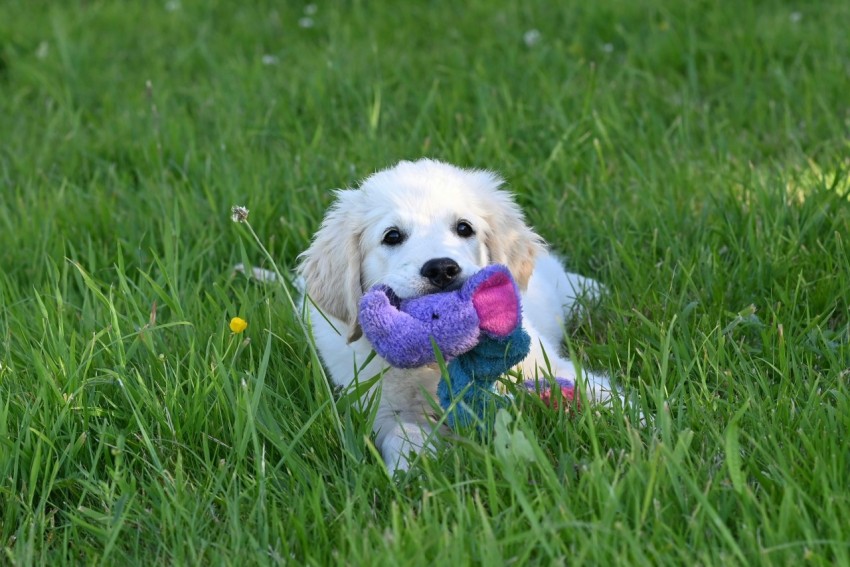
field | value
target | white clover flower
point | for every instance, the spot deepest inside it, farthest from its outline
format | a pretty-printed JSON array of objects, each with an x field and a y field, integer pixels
[
  {"x": 238, "y": 213},
  {"x": 531, "y": 37}
]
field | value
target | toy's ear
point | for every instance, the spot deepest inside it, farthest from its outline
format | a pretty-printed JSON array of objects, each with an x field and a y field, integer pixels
[{"x": 496, "y": 301}]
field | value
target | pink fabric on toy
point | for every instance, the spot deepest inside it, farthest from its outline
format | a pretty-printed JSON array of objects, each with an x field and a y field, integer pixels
[{"x": 497, "y": 306}]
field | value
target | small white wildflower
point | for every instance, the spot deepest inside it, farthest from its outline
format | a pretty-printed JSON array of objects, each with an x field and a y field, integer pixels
[
  {"x": 306, "y": 22},
  {"x": 172, "y": 5},
  {"x": 269, "y": 59},
  {"x": 43, "y": 50},
  {"x": 795, "y": 17},
  {"x": 311, "y": 9},
  {"x": 238, "y": 213},
  {"x": 259, "y": 274},
  {"x": 531, "y": 37},
  {"x": 608, "y": 47}
]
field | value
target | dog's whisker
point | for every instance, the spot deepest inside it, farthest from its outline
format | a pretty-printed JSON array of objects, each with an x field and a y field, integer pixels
[{"x": 368, "y": 286}]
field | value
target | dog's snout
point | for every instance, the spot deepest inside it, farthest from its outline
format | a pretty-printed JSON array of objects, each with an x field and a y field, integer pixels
[{"x": 440, "y": 271}]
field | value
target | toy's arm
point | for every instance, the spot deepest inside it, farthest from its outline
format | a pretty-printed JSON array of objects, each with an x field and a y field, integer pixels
[{"x": 544, "y": 390}]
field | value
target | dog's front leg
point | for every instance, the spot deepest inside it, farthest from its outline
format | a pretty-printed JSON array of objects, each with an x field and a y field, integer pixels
[
  {"x": 400, "y": 441},
  {"x": 403, "y": 424}
]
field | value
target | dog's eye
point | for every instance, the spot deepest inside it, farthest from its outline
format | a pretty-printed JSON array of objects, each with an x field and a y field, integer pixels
[
  {"x": 393, "y": 237},
  {"x": 464, "y": 229}
]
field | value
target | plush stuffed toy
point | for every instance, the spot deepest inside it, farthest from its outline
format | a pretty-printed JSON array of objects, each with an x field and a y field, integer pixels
[
  {"x": 565, "y": 385},
  {"x": 477, "y": 329}
]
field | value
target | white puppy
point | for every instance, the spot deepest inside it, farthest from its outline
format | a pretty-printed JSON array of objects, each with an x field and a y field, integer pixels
[{"x": 423, "y": 227}]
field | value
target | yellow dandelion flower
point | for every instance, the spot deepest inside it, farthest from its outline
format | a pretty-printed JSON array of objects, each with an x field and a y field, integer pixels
[{"x": 238, "y": 325}]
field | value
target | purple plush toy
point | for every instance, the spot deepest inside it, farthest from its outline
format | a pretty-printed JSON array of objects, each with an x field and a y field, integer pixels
[
  {"x": 401, "y": 330},
  {"x": 478, "y": 330}
]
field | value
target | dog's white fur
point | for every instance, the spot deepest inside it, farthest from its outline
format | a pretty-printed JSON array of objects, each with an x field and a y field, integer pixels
[{"x": 425, "y": 200}]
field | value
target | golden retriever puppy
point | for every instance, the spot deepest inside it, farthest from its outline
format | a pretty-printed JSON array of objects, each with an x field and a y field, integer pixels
[{"x": 423, "y": 227}]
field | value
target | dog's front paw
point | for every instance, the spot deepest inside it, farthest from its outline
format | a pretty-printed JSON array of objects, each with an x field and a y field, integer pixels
[{"x": 402, "y": 444}]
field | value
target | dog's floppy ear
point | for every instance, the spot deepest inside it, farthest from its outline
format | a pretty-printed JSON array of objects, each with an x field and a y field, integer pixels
[
  {"x": 509, "y": 240},
  {"x": 331, "y": 265}
]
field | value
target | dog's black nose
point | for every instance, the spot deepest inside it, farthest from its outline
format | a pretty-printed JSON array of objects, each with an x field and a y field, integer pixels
[{"x": 440, "y": 271}]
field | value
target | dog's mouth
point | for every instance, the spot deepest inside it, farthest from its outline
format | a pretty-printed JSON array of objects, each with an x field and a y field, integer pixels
[
  {"x": 455, "y": 285},
  {"x": 422, "y": 288}
]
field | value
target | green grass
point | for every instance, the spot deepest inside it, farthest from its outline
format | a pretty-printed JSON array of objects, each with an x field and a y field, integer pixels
[{"x": 690, "y": 155}]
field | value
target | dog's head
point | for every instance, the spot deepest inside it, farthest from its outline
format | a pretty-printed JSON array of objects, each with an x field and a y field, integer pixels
[{"x": 419, "y": 227}]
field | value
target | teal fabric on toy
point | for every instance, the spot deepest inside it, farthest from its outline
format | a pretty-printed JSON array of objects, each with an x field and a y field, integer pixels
[{"x": 469, "y": 393}]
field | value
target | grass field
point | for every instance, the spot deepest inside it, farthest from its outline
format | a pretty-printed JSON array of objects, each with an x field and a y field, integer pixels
[{"x": 693, "y": 156}]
